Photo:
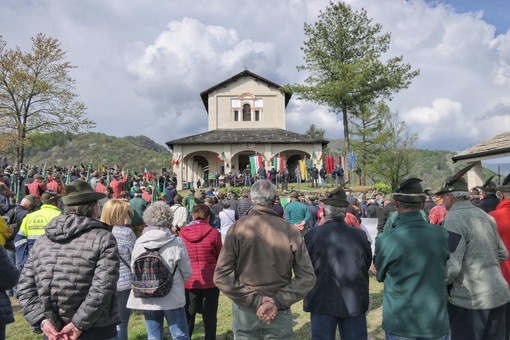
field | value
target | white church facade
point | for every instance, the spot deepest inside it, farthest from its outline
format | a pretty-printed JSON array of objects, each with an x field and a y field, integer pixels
[{"x": 246, "y": 117}]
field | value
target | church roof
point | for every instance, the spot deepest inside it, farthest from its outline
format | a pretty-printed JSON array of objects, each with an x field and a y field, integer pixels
[
  {"x": 204, "y": 95},
  {"x": 259, "y": 136},
  {"x": 496, "y": 146}
]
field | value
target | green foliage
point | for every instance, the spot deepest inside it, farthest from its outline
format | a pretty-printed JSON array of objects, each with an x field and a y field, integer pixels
[
  {"x": 130, "y": 153},
  {"x": 343, "y": 56},
  {"x": 37, "y": 93},
  {"x": 393, "y": 161},
  {"x": 382, "y": 187},
  {"x": 368, "y": 131},
  {"x": 315, "y": 132}
]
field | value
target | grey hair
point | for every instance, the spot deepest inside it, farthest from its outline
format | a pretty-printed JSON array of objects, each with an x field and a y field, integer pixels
[
  {"x": 89, "y": 209},
  {"x": 331, "y": 211},
  {"x": 460, "y": 195},
  {"x": 225, "y": 204},
  {"x": 263, "y": 193},
  {"x": 158, "y": 214}
]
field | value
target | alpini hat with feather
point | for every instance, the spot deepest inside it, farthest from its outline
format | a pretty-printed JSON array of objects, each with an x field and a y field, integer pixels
[
  {"x": 489, "y": 186},
  {"x": 80, "y": 192},
  {"x": 337, "y": 197},
  {"x": 410, "y": 190},
  {"x": 505, "y": 186},
  {"x": 456, "y": 182}
]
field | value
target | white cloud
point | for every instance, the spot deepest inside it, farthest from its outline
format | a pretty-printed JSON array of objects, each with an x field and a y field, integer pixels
[{"x": 141, "y": 67}]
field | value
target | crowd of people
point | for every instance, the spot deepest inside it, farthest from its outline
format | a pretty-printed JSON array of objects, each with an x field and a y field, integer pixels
[{"x": 71, "y": 248}]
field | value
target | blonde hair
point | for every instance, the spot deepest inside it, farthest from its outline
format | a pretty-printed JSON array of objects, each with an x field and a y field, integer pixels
[{"x": 116, "y": 212}]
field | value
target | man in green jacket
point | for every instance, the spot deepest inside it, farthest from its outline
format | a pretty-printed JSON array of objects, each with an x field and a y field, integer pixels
[{"x": 411, "y": 259}]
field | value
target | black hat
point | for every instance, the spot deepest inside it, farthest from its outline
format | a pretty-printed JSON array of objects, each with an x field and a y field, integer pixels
[
  {"x": 456, "y": 182},
  {"x": 80, "y": 192},
  {"x": 49, "y": 197},
  {"x": 410, "y": 190},
  {"x": 489, "y": 186},
  {"x": 505, "y": 186},
  {"x": 337, "y": 198}
]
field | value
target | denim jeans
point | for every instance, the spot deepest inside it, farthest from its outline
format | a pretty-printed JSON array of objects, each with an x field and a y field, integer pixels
[
  {"x": 124, "y": 313},
  {"x": 324, "y": 327},
  {"x": 394, "y": 337},
  {"x": 176, "y": 319}
]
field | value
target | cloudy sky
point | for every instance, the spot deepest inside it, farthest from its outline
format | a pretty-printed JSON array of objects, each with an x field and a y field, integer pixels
[{"x": 142, "y": 64}]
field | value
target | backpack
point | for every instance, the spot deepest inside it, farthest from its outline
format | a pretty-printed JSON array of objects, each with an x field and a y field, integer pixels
[{"x": 151, "y": 278}]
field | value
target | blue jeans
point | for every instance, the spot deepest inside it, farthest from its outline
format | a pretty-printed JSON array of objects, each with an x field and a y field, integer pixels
[
  {"x": 176, "y": 319},
  {"x": 324, "y": 327},
  {"x": 124, "y": 313},
  {"x": 394, "y": 337}
]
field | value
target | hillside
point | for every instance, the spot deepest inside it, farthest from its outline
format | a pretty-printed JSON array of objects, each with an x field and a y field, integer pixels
[{"x": 131, "y": 152}]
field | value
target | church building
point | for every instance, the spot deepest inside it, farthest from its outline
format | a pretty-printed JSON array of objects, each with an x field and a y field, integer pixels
[{"x": 246, "y": 117}]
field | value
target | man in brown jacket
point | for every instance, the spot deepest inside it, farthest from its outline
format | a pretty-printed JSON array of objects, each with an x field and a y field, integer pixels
[{"x": 264, "y": 268}]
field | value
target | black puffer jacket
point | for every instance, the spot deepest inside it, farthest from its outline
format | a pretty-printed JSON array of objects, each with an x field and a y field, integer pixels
[
  {"x": 9, "y": 277},
  {"x": 71, "y": 275}
]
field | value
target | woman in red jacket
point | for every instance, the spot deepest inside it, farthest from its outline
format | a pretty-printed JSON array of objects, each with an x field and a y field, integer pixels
[{"x": 203, "y": 243}]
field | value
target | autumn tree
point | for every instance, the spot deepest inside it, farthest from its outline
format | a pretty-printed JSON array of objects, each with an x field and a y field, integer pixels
[
  {"x": 37, "y": 93},
  {"x": 345, "y": 58}
]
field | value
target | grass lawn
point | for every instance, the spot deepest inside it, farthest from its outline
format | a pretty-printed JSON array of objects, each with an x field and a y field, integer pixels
[{"x": 20, "y": 330}]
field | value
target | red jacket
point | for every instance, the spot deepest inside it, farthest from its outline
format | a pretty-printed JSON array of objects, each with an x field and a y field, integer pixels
[
  {"x": 36, "y": 188},
  {"x": 100, "y": 187},
  {"x": 502, "y": 217},
  {"x": 203, "y": 243},
  {"x": 117, "y": 186}
]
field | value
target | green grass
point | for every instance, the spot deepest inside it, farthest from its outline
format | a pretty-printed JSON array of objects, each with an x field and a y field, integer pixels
[{"x": 20, "y": 330}]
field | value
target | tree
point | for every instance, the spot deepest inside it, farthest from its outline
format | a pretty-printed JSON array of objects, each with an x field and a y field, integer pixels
[
  {"x": 367, "y": 123},
  {"x": 315, "y": 132},
  {"x": 37, "y": 93},
  {"x": 343, "y": 56},
  {"x": 393, "y": 161}
]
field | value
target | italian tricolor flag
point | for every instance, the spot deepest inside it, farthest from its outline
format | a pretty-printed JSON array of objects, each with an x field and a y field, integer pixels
[
  {"x": 279, "y": 163},
  {"x": 255, "y": 163}
]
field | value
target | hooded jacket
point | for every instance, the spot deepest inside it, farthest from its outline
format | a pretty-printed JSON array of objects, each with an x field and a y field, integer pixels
[
  {"x": 71, "y": 275},
  {"x": 173, "y": 251},
  {"x": 203, "y": 243}
]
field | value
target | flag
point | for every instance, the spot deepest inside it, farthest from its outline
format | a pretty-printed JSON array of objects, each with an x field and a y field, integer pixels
[
  {"x": 279, "y": 163},
  {"x": 276, "y": 163},
  {"x": 314, "y": 156},
  {"x": 330, "y": 164},
  {"x": 218, "y": 158},
  {"x": 255, "y": 163},
  {"x": 154, "y": 192},
  {"x": 352, "y": 160},
  {"x": 223, "y": 157},
  {"x": 302, "y": 167},
  {"x": 144, "y": 176}
]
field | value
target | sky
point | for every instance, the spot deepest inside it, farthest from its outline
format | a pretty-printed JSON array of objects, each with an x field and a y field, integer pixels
[{"x": 141, "y": 65}]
